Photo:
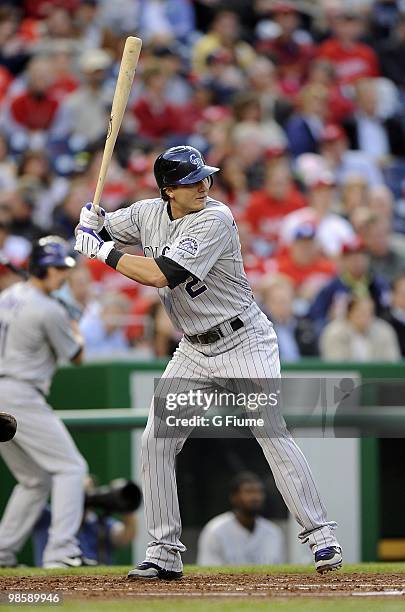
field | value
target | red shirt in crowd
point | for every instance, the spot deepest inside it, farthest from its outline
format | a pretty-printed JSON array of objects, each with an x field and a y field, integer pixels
[
  {"x": 320, "y": 269},
  {"x": 351, "y": 63},
  {"x": 156, "y": 119},
  {"x": 33, "y": 113},
  {"x": 264, "y": 213}
]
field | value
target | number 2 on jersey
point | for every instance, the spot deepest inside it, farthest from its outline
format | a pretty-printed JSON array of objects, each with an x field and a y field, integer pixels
[{"x": 194, "y": 291}]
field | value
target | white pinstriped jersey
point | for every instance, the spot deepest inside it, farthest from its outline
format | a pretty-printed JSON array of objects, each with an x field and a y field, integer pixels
[{"x": 206, "y": 243}]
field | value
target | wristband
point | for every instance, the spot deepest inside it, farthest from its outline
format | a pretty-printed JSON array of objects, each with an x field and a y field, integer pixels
[{"x": 113, "y": 258}]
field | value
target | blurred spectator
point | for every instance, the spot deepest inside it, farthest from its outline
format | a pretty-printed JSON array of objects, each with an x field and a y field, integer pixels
[
  {"x": 384, "y": 17},
  {"x": 354, "y": 192},
  {"x": 66, "y": 215},
  {"x": 7, "y": 167},
  {"x": 354, "y": 278},
  {"x": 157, "y": 119},
  {"x": 367, "y": 131},
  {"x": 381, "y": 201},
  {"x": 223, "y": 33},
  {"x": 263, "y": 81},
  {"x": 103, "y": 326},
  {"x": 392, "y": 53},
  {"x": 13, "y": 51},
  {"x": 167, "y": 20},
  {"x": 241, "y": 536},
  {"x": 352, "y": 59},
  {"x": 334, "y": 147},
  {"x": 396, "y": 314},
  {"x": 267, "y": 207},
  {"x": 31, "y": 113},
  {"x": 13, "y": 248},
  {"x": 50, "y": 191},
  {"x": 179, "y": 90},
  {"x": 323, "y": 72},
  {"x": 360, "y": 336},
  {"x": 385, "y": 260},
  {"x": 165, "y": 339},
  {"x": 290, "y": 49},
  {"x": 222, "y": 77},
  {"x": 296, "y": 334},
  {"x": 84, "y": 113},
  {"x": 247, "y": 112},
  {"x": 303, "y": 263},
  {"x": 304, "y": 128},
  {"x": 22, "y": 204},
  {"x": 332, "y": 231}
]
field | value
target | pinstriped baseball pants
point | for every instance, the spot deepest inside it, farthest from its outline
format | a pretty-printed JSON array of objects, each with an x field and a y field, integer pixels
[{"x": 249, "y": 353}]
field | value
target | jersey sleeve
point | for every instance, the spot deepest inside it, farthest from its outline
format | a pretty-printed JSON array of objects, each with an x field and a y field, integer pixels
[
  {"x": 59, "y": 333},
  {"x": 201, "y": 245},
  {"x": 123, "y": 225}
]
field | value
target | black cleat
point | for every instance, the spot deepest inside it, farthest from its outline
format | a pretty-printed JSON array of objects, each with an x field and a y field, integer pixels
[
  {"x": 328, "y": 559},
  {"x": 150, "y": 571}
]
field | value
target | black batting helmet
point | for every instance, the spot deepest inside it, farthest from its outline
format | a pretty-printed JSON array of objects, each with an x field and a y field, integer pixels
[
  {"x": 181, "y": 166},
  {"x": 50, "y": 251}
]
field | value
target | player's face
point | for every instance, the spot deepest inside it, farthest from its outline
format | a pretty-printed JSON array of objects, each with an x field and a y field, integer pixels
[
  {"x": 250, "y": 498},
  {"x": 185, "y": 199},
  {"x": 55, "y": 278}
]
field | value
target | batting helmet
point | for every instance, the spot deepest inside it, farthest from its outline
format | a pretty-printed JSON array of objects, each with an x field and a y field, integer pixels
[
  {"x": 181, "y": 166},
  {"x": 50, "y": 251}
]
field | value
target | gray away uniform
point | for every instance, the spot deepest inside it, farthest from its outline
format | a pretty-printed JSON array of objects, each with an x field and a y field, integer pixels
[
  {"x": 35, "y": 333},
  {"x": 206, "y": 244}
]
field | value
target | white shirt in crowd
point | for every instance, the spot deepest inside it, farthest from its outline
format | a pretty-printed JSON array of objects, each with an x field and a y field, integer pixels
[{"x": 224, "y": 541}]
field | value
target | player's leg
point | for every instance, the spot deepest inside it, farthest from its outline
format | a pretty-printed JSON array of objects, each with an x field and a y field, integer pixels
[
  {"x": 256, "y": 359},
  {"x": 68, "y": 469},
  {"x": 47, "y": 442},
  {"x": 160, "y": 445},
  {"x": 26, "y": 502}
]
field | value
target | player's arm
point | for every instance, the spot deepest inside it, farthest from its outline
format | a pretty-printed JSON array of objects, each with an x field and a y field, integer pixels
[{"x": 159, "y": 272}]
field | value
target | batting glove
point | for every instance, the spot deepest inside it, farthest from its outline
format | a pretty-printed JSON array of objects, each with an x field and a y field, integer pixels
[
  {"x": 90, "y": 219},
  {"x": 90, "y": 244}
]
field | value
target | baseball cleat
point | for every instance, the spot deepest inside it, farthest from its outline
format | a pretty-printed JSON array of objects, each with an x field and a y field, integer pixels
[
  {"x": 328, "y": 559},
  {"x": 150, "y": 571},
  {"x": 68, "y": 562}
]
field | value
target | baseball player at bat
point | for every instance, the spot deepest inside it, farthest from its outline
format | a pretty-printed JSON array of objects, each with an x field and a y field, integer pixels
[
  {"x": 36, "y": 332},
  {"x": 193, "y": 256}
]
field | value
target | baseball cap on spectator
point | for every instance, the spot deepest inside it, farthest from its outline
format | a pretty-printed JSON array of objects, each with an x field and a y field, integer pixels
[
  {"x": 284, "y": 7},
  {"x": 332, "y": 132},
  {"x": 324, "y": 179},
  {"x": 306, "y": 231},
  {"x": 275, "y": 152},
  {"x": 357, "y": 245},
  {"x": 95, "y": 59}
]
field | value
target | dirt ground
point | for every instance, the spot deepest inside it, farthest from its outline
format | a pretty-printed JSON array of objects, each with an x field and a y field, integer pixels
[{"x": 212, "y": 586}]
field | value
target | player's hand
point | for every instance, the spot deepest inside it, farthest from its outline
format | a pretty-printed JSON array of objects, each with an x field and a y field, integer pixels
[
  {"x": 89, "y": 243},
  {"x": 90, "y": 219}
]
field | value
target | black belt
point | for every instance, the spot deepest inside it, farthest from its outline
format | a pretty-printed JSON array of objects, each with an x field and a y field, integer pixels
[{"x": 214, "y": 334}]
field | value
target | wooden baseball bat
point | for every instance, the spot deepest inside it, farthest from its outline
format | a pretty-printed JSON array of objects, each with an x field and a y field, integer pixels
[{"x": 129, "y": 62}]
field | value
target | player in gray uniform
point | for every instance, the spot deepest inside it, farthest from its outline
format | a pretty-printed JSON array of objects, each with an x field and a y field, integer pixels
[
  {"x": 193, "y": 257},
  {"x": 35, "y": 332}
]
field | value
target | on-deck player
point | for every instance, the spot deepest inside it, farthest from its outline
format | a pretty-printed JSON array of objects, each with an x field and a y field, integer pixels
[
  {"x": 193, "y": 257},
  {"x": 35, "y": 332}
]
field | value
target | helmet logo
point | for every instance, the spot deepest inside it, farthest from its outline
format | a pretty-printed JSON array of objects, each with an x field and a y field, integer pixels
[{"x": 196, "y": 160}]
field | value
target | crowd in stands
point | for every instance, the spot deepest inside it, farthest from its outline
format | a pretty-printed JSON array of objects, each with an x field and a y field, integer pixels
[{"x": 300, "y": 103}]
